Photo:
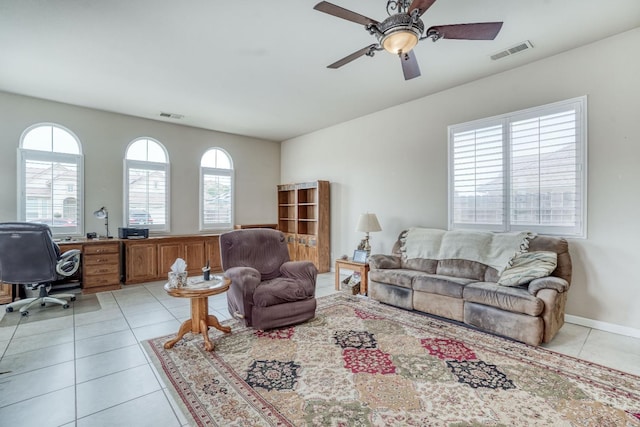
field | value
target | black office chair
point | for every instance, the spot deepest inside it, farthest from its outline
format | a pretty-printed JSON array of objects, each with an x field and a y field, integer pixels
[{"x": 30, "y": 257}]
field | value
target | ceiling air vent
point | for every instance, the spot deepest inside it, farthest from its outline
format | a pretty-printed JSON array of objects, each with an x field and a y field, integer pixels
[
  {"x": 171, "y": 116},
  {"x": 512, "y": 50}
]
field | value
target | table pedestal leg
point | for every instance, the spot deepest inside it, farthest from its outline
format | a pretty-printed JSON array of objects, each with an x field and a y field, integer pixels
[
  {"x": 184, "y": 328},
  {"x": 199, "y": 323}
]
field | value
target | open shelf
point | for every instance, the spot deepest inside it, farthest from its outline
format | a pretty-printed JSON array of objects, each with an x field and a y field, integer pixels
[{"x": 303, "y": 215}]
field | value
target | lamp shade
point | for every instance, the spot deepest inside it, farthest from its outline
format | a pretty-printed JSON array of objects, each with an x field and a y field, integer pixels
[
  {"x": 368, "y": 222},
  {"x": 101, "y": 213}
]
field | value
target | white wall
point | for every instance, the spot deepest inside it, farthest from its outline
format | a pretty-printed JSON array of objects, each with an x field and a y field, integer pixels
[
  {"x": 104, "y": 138},
  {"x": 394, "y": 163}
]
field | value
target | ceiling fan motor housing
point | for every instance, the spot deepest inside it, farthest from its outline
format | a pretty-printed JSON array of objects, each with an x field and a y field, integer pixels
[{"x": 399, "y": 33}]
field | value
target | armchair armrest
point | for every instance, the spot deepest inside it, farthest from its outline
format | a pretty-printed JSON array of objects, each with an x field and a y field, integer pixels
[
  {"x": 549, "y": 282},
  {"x": 244, "y": 281},
  {"x": 302, "y": 271},
  {"x": 245, "y": 278},
  {"x": 379, "y": 261}
]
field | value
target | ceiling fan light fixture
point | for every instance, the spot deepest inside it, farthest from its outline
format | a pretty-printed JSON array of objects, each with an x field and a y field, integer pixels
[
  {"x": 400, "y": 33},
  {"x": 401, "y": 41}
]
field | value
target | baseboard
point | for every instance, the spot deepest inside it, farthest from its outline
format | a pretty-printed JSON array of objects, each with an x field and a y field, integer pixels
[{"x": 603, "y": 326}]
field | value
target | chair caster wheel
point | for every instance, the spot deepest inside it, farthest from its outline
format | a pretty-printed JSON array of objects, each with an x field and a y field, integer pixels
[
  {"x": 42, "y": 304},
  {"x": 73, "y": 298},
  {"x": 9, "y": 309},
  {"x": 24, "y": 313},
  {"x": 65, "y": 306}
]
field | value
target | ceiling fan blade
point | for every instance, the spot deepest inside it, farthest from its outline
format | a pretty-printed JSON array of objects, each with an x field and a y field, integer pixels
[
  {"x": 410, "y": 66},
  {"x": 478, "y": 31},
  {"x": 423, "y": 5},
  {"x": 354, "y": 55},
  {"x": 343, "y": 13}
]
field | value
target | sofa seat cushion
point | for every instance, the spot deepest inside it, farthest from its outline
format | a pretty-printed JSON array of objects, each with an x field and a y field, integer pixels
[
  {"x": 441, "y": 285},
  {"x": 514, "y": 299},
  {"x": 399, "y": 277}
]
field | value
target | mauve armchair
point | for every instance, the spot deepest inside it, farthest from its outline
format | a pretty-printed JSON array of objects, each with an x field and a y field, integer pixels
[{"x": 267, "y": 290}]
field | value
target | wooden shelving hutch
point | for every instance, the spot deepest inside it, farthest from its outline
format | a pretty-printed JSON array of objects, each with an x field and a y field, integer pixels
[{"x": 303, "y": 216}]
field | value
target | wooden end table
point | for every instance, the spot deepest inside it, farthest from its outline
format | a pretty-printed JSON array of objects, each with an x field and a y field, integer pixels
[
  {"x": 360, "y": 267},
  {"x": 200, "y": 317}
]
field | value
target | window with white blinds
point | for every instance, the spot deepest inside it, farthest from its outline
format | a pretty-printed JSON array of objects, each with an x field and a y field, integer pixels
[
  {"x": 146, "y": 185},
  {"x": 521, "y": 171},
  {"x": 216, "y": 190},
  {"x": 50, "y": 177}
]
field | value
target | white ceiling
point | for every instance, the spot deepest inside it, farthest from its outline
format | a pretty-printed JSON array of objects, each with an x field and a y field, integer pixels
[{"x": 258, "y": 67}]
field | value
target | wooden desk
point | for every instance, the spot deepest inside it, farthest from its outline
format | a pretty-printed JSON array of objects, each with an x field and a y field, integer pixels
[
  {"x": 200, "y": 317},
  {"x": 6, "y": 293},
  {"x": 360, "y": 267},
  {"x": 100, "y": 263}
]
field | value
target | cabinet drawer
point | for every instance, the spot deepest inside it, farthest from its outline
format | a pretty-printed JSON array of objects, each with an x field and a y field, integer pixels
[
  {"x": 101, "y": 280},
  {"x": 91, "y": 270},
  {"x": 112, "y": 248},
  {"x": 102, "y": 259}
]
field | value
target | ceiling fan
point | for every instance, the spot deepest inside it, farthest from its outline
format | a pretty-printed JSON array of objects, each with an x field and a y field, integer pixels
[{"x": 401, "y": 31}]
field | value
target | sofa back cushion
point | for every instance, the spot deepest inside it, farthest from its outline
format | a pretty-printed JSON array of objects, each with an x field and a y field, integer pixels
[
  {"x": 462, "y": 268},
  {"x": 421, "y": 264}
]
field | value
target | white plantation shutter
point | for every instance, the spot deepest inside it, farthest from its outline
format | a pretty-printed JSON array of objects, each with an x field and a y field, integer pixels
[
  {"x": 146, "y": 185},
  {"x": 216, "y": 190},
  {"x": 478, "y": 188},
  {"x": 546, "y": 171},
  {"x": 50, "y": 177},
  {"x": 216, "y": 186},
  {"x": 521, "y": 171},
  {"x": 147, "y": 195}
]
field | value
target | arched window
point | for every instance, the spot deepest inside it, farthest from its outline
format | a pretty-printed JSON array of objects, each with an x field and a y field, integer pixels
[
  {"x": 50, "y": 177},
  {"x": 146, "y": 189},
  {"x": 216, "y": 190}
]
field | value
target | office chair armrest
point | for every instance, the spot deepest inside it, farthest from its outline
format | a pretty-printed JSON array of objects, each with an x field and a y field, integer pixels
[
  {"x": 68, "y": 263},
  {"x": 70, "y": 253}
]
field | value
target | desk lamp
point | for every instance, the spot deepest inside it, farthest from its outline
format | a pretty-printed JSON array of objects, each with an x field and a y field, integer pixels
[
  {"x": 103, "y": 213},
  {"x": 368, "y": 222}
]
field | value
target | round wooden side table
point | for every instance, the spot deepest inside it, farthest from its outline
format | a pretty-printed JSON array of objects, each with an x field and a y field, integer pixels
[{"x": 200, "y": 320}]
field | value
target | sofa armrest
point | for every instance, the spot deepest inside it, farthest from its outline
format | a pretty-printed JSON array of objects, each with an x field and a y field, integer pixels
[
  {"x": 550, "y": 282},
  {"x": 379, "y": 261}
]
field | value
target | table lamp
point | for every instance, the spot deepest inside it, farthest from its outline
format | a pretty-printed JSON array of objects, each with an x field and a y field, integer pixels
[
  {"x": 103, "y": 213},
  {"x": 367, "y": 223}
]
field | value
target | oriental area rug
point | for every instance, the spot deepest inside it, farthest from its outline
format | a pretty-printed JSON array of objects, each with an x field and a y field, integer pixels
[{"x": 362, "y": 363}]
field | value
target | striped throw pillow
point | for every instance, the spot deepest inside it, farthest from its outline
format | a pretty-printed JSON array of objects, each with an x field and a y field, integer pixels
[{"x": 527, "y": 266}]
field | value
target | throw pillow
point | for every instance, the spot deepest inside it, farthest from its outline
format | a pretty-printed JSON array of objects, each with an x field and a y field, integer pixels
[{"x": 527, "y": 266}]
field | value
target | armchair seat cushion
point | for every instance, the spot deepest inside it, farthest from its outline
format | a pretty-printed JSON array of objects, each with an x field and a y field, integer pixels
[{"x": 278, "y": 291}]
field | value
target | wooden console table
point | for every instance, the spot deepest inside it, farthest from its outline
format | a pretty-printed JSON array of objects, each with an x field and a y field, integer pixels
[
  {"x": 360, "y": 267},
  {"x": 150, "y": 259}
]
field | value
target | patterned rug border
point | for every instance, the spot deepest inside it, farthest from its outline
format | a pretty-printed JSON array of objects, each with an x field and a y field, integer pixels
[{"x": 597, "y": 375}]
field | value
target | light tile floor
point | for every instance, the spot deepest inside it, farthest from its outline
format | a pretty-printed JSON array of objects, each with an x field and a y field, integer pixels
[{"x": 88, "y": 368}]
